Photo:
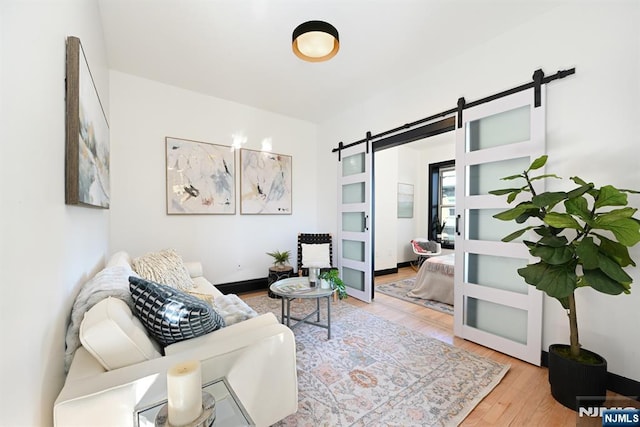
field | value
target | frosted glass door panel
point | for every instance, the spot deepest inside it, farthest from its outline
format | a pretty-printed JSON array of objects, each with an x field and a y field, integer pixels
[
  {"x": 499, "y": 129},
  {"x": 355, "y": 278},
  {"x": 353, "y": 193},
  {"x": 353, "y": 254},
  {"x": 352, "y": 249},
  {"x": 493, "y": 305},
  {"x": 353, "y": 221},
  {"x": 352, "y": 165},
  {"x": 483, "y": 226},
  {"x": 497, "y": 319},
  {"x": 487, "y": 176},
  {"x": 496, "y": 272}
]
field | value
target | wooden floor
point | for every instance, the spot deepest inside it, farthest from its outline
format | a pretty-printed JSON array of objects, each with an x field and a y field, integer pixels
[{"x": 521, "y": 399}]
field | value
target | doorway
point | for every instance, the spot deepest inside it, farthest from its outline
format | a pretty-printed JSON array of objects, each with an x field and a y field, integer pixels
[
  {"x": 399, "y": 166},
  {"x": 405, "y": 162}
]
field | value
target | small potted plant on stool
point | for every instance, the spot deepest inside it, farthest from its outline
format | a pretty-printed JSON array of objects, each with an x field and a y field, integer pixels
[
  {"x": 280, "y": 259},
  {"x": 280, "y": 269}
]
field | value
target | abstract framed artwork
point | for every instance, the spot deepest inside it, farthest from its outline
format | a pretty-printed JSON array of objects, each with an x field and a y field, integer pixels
[
  {"x": 405, "y": 200},
  {"x": 87, "y": 135},
  {"x": 201, "y": 177},
  {"x": 265, "y": 183}
]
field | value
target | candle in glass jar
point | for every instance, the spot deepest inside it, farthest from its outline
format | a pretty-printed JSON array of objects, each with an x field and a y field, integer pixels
[{"x": 184, "y": 393}]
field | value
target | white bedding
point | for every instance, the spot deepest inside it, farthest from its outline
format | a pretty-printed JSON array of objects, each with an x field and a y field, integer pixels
[{"x": 434, "y": 280}]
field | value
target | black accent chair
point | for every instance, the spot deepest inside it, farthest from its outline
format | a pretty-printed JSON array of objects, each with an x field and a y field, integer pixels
[{"x": 313, "y": 239}]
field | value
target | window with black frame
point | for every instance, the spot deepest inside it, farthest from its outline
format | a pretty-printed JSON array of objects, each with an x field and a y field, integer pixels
[{"x": 442, "y": 211}]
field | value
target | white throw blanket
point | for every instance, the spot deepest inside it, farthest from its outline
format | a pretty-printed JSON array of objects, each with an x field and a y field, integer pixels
[{"x": 110, "y": 282}]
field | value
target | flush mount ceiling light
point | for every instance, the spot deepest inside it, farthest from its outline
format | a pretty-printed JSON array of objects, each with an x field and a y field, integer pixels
[{"x": 315, "y": 41}]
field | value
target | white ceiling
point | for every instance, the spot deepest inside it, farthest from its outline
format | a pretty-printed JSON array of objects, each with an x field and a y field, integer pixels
[{"x": 240, "y": 50}]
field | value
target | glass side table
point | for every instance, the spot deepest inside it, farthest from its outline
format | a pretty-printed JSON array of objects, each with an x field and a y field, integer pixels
[{"x": 229, "y": 409}]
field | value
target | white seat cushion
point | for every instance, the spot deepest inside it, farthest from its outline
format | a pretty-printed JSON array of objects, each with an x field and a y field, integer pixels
[
  {"x": 114, "y": 336},
  {"x": 233, "y": 309},
  {"x": 203, "y": 286},
  {"x": 246, "y": 331}
]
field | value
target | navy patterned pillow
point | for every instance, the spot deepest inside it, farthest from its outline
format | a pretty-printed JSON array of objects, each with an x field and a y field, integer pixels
[{"x": 171, "y": 315}]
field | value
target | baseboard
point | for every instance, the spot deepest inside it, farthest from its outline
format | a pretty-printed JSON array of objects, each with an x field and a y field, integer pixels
[
  {"x": 617, "y": 383},
  {"x": 243, "y": 286},
  {"x": 385, "y": 272},
  {"x": 392, "y": 270}
]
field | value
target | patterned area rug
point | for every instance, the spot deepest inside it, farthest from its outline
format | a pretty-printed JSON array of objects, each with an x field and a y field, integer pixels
[
  {"x": 373, "y": 372},
  {"x": 400, "y": 289}
]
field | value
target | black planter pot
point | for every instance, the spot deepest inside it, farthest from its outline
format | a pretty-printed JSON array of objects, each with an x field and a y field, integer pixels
[{"x": 570, "y": 379}]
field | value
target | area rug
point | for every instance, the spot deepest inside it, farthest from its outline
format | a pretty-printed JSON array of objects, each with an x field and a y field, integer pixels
[
  {"x": 373, "y": 372},
  {"x": 400, "y": 290}
]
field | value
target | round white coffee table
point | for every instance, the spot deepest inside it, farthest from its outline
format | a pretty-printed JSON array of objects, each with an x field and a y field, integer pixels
[{"x": 299, "y": 287}]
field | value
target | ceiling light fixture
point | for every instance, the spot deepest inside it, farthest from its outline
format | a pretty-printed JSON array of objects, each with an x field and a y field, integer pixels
[{"x": 315, "y": 41}]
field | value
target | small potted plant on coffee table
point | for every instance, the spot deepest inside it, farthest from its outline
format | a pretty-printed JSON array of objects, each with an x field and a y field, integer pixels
[{"x": 335, "y": 282}]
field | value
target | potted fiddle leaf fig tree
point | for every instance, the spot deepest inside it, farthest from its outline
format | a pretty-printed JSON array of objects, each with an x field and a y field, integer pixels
[{"x": 582, "y": 240}]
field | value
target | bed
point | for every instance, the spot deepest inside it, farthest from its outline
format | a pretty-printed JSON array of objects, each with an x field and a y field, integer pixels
[{"x": 434, "y": 280}]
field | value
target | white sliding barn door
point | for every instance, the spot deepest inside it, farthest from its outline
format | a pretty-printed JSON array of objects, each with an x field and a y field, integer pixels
[
  {"x": 354, "y": 221},
  {"x": 493, "y": 305}
]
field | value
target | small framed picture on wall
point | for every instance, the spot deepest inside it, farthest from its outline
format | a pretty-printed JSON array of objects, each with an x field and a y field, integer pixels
[{"x": 405, "y": 200}]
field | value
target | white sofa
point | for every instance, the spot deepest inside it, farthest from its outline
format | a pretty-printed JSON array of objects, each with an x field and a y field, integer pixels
[{"x": 257, "y": 357}]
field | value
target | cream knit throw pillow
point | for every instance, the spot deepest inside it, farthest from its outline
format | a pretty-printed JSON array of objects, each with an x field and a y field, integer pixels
[{"x": 164, "y": 267}]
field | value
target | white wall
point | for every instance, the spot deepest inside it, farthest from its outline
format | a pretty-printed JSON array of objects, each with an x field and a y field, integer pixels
[
  {"x": 592, "y": 131},
  {"x": 143, "y": 114},
  {"x": 396, "y": 165},
  {"x": 47, "y": 249},
  {"x": 386, "y": 218},
  {"x": 410, "y": 172}
]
